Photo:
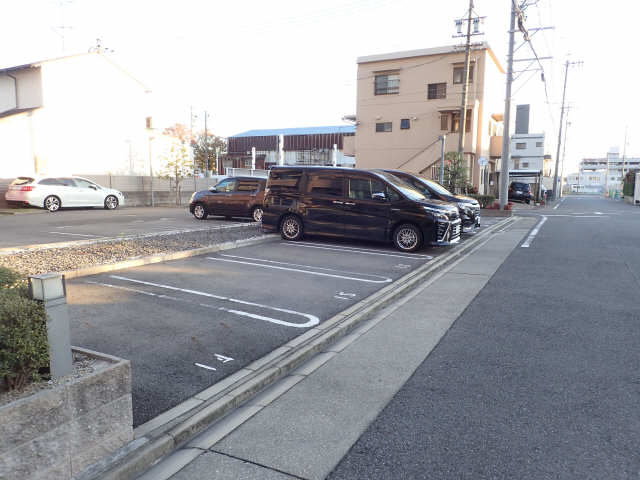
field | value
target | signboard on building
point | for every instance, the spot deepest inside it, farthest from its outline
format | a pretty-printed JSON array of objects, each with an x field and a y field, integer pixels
[{"x": 483, "y": 161}]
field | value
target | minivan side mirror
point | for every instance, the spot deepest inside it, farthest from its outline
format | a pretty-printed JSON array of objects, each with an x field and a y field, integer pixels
[
  {"x": 213, "y": 189},
  {"x": 379, "y": 196}
]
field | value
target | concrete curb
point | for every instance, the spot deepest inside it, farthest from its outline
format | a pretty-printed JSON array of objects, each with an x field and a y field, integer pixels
[
  {"x": 165, "y": 257},
  {"x": 183, "y": 422},
  {"x": 96, "y": 241}
]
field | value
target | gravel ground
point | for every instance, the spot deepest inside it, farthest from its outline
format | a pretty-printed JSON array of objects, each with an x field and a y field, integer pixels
[{"x": 75, "y": 257}]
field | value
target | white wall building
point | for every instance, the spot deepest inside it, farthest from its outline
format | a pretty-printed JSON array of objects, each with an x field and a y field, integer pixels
[
  {"x": 612, "y": 167},
  {"x": 527, "y": 151},
  {"x": 80, "y": 114}
]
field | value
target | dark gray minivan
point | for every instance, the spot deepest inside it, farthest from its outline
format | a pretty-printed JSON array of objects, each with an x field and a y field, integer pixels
[{"x": 362, "y": 204}]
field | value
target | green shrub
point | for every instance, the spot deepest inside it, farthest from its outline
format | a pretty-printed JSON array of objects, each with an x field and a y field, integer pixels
[
  {"x": 484, "y": 200},
  {"x": 24, "y": 347}
]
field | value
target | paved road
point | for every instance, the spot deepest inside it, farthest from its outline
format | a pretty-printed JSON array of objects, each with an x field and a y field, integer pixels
[
  {"x": 539, "y": 377},
  {"x": 94, "y": 223},
  {"x": 187, "y": 324}
]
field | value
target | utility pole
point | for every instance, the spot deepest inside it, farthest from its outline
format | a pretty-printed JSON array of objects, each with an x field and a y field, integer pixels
[
  {"x": 465, "y": 84},
  {"x": 564, "y": 150},
  {"x": 564, "y": 92},
  {"x": 624, "y": 151},
  {"x": 506, "y": 140},
  {"x": 443, "y": 138},
  {"x": 206, "y": 141}
]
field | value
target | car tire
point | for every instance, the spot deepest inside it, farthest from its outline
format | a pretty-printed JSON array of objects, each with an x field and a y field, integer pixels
[
  {"x": 199, "y": 211},
  {"x": 52, "y": 203},
  {"x": 111, "y": 202},
  {"x": 291, "y": 228},
  {"x": 407, "y": 238},
  {"x": 256, "y": 214}
]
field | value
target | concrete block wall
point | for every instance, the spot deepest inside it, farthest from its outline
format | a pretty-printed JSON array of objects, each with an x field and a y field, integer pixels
[{"x": 57, "y": 433}]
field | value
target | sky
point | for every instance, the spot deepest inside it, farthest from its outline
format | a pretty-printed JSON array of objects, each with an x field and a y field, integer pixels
[{"x": 285, "y": 63}]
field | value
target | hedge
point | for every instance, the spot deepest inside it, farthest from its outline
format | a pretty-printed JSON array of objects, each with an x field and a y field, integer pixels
[
  {"x": 24, "y": 348},
  {"x": 483, "y": 200}
]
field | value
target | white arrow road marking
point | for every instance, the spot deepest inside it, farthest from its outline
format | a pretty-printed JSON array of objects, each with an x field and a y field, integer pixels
[
  {"x": 309, "y": 272},
  {"x": 222, "y": 358},
  {"x": 312, "y": 320},
  {"x": 207, "y": 367},
  {"x": 533, "y": 233}
]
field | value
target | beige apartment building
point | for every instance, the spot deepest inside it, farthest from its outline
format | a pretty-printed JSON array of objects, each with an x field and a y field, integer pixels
[{"x": 407, "y": 100}]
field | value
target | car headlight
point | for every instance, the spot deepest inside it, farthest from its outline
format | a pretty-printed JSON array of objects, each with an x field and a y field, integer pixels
[{"x": 437, "y": 213}]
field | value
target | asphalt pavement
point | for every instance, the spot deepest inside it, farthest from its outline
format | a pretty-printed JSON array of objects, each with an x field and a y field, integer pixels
[
  {"x": 538, "y": 378},
  {"x": 67, "y": 225}
]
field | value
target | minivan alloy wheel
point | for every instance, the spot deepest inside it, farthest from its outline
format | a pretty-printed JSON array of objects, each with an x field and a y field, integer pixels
[
  {"x": 291, "y": 228},
  {"x": 257, "y": 214},
  {"x": 407, "y": 238}
]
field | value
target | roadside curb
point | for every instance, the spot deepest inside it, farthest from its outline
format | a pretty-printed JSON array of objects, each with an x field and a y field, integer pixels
[
  {"x": 174, "y": 428},
  {"x": 97, "y": 241},
  {"x": 165, "y": 257}
]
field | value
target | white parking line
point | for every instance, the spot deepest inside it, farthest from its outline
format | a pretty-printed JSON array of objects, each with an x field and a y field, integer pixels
[
  {"x": 534, "y": 232},
  {"x": 356, "y": 250},
  {"x": 383, "y": 279},
  {"x": 206, "y": 367},
  {"x": 309, "y": 272},
  {"x": 312, "y": 320},
  {"x": 75, "y": 234}
]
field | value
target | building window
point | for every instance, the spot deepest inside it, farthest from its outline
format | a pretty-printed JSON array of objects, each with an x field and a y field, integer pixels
[
  {"x": 444, "y": 122},
  {"x": 521, "y": 146},
  {"x": 516, "y": 164},
  {"x": 455, "y": 122},
  {"x": 387, "y": 83},
  {"x": 458, "y": 74},
  {"x": 525, "y": 164},
  {"x": 405, "y": 124},
  {"x": 383, "y": 127},
  {"x": 539, "y": 144},
  {"x": 437, "y": 90}
]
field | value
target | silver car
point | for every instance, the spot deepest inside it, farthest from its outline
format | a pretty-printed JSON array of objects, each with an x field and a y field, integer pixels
[{"x": 54, "y": 193}]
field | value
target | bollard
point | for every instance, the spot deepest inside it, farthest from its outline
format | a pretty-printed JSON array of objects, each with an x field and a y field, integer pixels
[{"x": 50, "y": 288}]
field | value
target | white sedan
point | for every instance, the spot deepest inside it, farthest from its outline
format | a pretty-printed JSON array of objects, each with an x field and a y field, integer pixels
[{"x": 54, "y": 193}]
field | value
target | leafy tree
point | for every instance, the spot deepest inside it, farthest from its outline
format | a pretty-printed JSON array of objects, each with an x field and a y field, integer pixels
[
  {"x": 177, "y": 164},
  {"x": 455, "y": 172},
  {"x": 200, "y": 143}
]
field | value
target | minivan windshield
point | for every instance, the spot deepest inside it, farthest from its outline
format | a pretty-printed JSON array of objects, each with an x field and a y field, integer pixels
[
  {"x": 435, "y": 186},
  {"x": 407, "y": 190}
]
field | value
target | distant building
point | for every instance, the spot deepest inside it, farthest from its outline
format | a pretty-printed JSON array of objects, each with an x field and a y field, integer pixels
[
  {"x": 76, "y": 114},
  {"x": 301, "y": 146},
  {"x": 407, "y": 100},
  {"x": 613, "y": 166}
]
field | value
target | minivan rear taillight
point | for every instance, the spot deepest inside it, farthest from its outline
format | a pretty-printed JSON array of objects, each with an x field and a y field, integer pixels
[{"x": 27, "y": 188}]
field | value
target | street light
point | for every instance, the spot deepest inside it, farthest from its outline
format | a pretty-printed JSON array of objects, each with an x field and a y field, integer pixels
[{"x": 50, "y": 288}]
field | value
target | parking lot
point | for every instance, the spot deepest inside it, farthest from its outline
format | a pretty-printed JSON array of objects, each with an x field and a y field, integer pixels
[
  {"x": 41, "y": 227},
  {"x": 187, "y": 324}
]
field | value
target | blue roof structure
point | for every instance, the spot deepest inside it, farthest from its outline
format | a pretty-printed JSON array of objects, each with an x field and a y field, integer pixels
[{"x": 298, "y": 131}]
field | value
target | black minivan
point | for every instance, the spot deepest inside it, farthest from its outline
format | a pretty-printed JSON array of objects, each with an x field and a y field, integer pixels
[
  {"x": 368, "y": 205},
  {"x": 468, "y": 208}
]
